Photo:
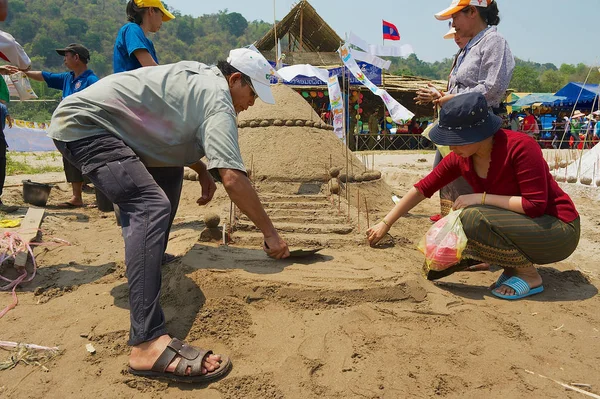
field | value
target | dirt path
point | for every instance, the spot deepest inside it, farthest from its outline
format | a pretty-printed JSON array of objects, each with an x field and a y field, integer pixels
[{"x": 353, "y": 322}]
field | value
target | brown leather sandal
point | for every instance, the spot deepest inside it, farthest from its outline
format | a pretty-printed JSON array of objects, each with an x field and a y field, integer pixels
[{"x": 190, "y": 357}]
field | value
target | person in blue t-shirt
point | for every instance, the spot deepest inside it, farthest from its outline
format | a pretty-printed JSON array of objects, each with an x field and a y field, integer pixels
[
  {"x": 78, "y": 78},
  {"x": 4, "y": 117},
  {"x": 133, "y": 49}
]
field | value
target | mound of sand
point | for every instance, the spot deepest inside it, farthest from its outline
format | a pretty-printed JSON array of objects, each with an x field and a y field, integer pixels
[
  {"x": 294, "y": 152},
  {"x": 289, "y": 105}
]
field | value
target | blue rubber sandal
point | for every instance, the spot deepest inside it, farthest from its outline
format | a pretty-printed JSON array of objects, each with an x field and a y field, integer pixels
[
  {"x": 503, "y": 277},
  {"x": 521, "y": 288}
]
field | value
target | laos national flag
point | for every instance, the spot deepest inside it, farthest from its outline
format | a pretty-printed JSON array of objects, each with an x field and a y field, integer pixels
[{"x": 390, "y": 32}]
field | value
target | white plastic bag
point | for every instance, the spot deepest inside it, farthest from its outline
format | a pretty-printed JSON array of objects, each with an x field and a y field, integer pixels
[{"x": 22, "y": 85}]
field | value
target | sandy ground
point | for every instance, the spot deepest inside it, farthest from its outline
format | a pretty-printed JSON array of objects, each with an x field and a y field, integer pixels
[{"x": 353, "y": 322}]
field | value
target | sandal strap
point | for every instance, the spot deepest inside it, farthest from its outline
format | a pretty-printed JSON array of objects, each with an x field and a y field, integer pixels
[
  {"x": 175, "y": 348},
  {"x": 194, "y": 364},
  {"x": 517, "y": 284}
]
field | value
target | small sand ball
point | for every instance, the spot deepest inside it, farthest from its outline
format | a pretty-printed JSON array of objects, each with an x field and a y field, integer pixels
[
  {"x": 586, "y": 180},
  {"x": 265, "y": 123},
  {"x": 598, "y": 182},
  {"x": 346, "y": 179},
  {"x": 572, "y": 179},
  {"x": 561, "y": 179},
  {"x": 277, "y": 122},
  {"x": 299, "y": 122},
  {"x": 334, "y": 172},
  {"x": 335, "y": 186},
  {"x": 186, "y": 174},
  {"x": 375, "y": 175},
  {"x": 212, "y": 220},
  {"x": 360, "y": 177},
  {"x": 289, "y": 122},
  {"x": 563, "y": 164},
  {"x": 368, "y": 176},
  {"x": 254, "y": 124},
  {"x": 193, "y": 176},
  {"x": 243, "y": 124}
]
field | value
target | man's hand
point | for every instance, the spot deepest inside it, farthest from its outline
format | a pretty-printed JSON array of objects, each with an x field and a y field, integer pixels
[
  {"x": 8, "y": 70},
  {"x": 208, "y": 187},
  {"x": 275, "y": 247},
  {"x": 377, "y": 232}
]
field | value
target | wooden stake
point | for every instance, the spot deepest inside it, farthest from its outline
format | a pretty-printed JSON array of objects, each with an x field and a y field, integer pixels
[
  {"x": 339, "y": 197},
  {"x": 358, "y": 208},
  {"x": 230, "y": 217},
  {"x": 367, "y": 209}
]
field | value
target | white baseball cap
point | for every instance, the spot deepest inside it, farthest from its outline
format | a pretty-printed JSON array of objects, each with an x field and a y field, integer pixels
[
  {"x": 458, "y": 5},
  {"x": 252, "y": 64}
]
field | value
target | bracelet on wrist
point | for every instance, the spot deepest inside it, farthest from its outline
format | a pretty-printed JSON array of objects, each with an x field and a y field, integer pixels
[
  {"x": 386, "y": 223},
  {"x": 483, "y": 198}
]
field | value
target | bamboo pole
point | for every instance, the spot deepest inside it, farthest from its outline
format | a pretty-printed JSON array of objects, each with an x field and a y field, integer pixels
[
  {"x": 301, "y": 26},
  {"x": 277, "y": 55}
]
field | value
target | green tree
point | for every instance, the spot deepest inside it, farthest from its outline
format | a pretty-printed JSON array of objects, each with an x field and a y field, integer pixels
[
  {"x": 185, "y": 30},
  {"x": 551, "y": 81},
  {"x": 234, "y": 23},
  {"x": 525, "y": 79},
  {"x": 76, "y": 26}
]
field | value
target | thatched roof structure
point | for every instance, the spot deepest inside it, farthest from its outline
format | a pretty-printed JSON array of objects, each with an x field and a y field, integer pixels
[{"x": 310, "y": 39}]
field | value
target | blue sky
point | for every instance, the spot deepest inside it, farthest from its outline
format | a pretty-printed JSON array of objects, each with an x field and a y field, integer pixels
[{"x": 537, "y": 30}]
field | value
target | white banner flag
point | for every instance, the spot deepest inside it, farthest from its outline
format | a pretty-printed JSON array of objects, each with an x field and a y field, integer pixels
[
  {"x": 382, "y": 51},
  {"x": 398, "y": 113},
  {"x": 337, "y": 107},
  {"x": 371, "y": 59},
  {"x": 335, "y": 93}
]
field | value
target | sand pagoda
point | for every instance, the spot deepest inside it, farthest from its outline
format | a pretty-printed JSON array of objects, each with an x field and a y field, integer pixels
[{"x": 289, "y": 153}]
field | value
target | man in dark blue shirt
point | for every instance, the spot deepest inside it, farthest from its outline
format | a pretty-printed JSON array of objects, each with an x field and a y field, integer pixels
[
  {"x": 79, "y": 77},
  {"x": 4, "y": 117}
]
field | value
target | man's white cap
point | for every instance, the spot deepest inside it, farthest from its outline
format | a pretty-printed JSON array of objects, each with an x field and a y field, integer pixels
[{"x": 252, "y": 64}]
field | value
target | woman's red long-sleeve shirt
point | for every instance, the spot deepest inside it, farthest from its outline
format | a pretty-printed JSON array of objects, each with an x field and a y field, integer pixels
[{"x": 517, "y": 168}]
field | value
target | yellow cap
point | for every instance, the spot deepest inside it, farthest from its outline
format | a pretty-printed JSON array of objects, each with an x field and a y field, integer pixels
[
  {"x": 167, "y": 16},
  {"x": 458, "y": 5}
]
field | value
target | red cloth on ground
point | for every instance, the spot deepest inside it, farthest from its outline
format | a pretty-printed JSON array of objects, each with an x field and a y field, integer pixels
[{"x": 517, "y": 168}]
